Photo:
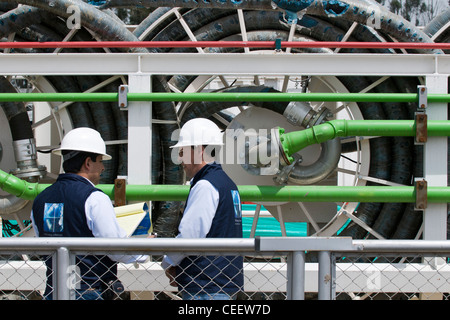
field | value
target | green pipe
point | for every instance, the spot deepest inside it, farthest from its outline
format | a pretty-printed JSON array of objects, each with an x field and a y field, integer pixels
[
  {"x": 224, "y": 96},
  {"x": 283, "y": 193},
  {"x": 253, "y": 193},
  {"x": 60, "y": 96},
  {"x": 274, "y": 96},
  {"x": 150, "y": 192},
  {"x": 19, "y": 187},
  {"x": 405, "y": 194},
  {"x": 293, "y": 142}
]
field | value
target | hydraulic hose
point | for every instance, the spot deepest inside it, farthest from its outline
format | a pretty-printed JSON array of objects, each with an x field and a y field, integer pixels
[
  {"x": 381, "y": 158},
  {"x": 16, "y": 114},
  {"x": 439, "y": 28},
  {"x": 401, "y": 149},
  {"x": 363, "y": 12},
  {"x": 19, "y": 18},
  {"x": 90, "y": 17}
]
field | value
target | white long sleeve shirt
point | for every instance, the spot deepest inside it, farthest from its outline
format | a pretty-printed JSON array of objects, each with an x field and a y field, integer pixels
[{"x": 197, "y": 217}]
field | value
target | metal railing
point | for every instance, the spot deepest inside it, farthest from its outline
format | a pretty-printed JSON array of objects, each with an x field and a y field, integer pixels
[{"x": 332, "y": 267}]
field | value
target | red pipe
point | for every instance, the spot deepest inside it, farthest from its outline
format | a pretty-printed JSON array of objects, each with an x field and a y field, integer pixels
[{"x": 226, "y": 44}]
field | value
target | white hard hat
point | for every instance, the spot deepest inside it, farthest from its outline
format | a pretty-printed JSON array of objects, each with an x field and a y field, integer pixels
[
  {"x": 199, "y": 131},
  {"x": 85, "y": 140}
]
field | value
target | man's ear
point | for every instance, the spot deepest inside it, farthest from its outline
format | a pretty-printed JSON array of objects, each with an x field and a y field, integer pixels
[{"x": 87, "y": 163}]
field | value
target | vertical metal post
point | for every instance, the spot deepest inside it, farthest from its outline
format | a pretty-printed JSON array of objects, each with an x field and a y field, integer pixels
[
  {"x": 297, "y": 276},
  {"x": 326, "y": 276},
  {"x": 435, "y": 171},
  {"x": 435, "y": 163},
  {"x": 139, "y": 132},
  {"x": 61, "y": 270},
  {"x": 289, "y": 263}
]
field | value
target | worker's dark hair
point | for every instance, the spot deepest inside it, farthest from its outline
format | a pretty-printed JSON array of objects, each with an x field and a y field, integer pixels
[{"x": 73, "y": 160}]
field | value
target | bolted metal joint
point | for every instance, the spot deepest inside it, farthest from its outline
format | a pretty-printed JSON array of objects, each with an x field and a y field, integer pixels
[
  {"x": 421, "y": 188},
  {"x": 422, "y": 93},
  {"x": 421, "y": 128},
  {"x": 300, "y": 113},
  {"x": 27, "y": 168},
  {"x": 31, "y": 173},
  {"x": 123, "y": 98}
]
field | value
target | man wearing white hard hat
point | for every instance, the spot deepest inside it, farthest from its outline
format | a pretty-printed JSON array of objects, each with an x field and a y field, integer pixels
[
  {"x": 212, "y": 210},
  {"x": 74, "y": 207}
]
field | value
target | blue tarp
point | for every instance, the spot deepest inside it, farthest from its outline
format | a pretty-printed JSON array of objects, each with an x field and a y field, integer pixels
[{"x": 269, "y": 226}]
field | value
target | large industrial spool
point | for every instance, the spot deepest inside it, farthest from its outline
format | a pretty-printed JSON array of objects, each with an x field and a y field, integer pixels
[{"x": 382, "y": 159}]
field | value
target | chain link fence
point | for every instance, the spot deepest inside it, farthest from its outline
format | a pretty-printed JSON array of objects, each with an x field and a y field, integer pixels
[
  {"x": 415, "y": 276},
  {"x": 23, "y": 277},
  {"x": 274, "y": 269}
]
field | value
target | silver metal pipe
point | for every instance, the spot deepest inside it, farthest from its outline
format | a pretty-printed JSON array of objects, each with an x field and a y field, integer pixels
[
  {"x": 297, "y": 274},
  {"x": 134, "y": 244},
  {"x": 266, "y": 244},
  {"x": 62, "y": 273},
  {"x": 402, "y": 246},
  {"x": 326, "y": 279}
]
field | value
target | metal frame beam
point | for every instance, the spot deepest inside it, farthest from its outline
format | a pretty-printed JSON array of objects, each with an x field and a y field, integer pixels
[
  {"x": 275, "y": 64},
  {"x": 434, "y": 68}
]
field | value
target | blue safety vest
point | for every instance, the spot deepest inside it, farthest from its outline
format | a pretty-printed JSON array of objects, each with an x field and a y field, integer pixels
[
  {"x": 216, "y": 274},
  {"x": 59, "y": 211}
]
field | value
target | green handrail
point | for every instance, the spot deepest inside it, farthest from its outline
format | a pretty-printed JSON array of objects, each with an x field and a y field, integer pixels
[
  {"x": 404, "y": 194},
  {"x": 220, "y": 96}
]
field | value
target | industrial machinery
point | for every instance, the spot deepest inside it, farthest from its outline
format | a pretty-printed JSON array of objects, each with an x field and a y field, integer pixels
[{"x": 29, "y": 131}]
